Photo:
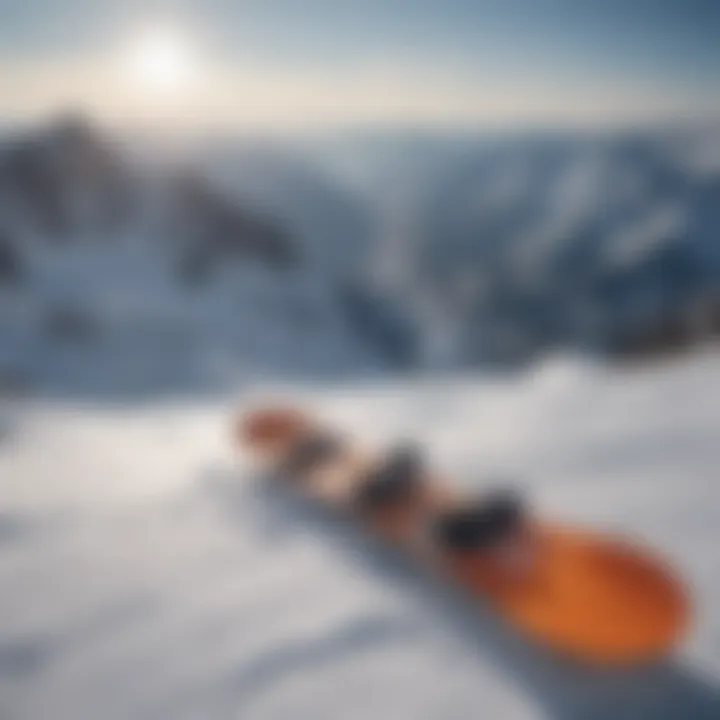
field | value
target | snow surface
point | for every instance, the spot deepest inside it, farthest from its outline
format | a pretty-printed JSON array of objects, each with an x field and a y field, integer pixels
[{"x": 146, "y": 573}]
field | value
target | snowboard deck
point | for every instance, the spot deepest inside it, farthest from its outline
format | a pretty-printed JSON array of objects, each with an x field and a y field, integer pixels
[{"x": 585, "y": 594}]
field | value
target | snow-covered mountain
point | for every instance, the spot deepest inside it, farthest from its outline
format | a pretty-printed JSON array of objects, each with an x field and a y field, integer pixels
[
  {"x": 132, "y": 272},
  {"x": 347, "y": 254},
  {"x": 611, "y": 242},
  {"x": 146, "y": 574}
]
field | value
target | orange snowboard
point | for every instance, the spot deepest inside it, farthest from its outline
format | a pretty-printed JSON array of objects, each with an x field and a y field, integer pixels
[{"x": 584, "y": 594}]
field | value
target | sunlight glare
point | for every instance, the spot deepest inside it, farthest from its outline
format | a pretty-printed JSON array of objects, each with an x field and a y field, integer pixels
[{"x": 159, "y": 60}]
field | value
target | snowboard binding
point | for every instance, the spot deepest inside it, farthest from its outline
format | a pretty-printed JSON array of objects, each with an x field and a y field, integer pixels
[
  {"x": 483, "y": 524},
  {"x": 393, "y": 485}
]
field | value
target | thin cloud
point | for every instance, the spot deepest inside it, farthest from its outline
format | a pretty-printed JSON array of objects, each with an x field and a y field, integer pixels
[{"x": 225, "y": 96}]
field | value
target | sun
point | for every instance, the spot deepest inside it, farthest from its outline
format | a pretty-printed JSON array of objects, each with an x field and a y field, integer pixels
[{"x": 159, "y": 59}]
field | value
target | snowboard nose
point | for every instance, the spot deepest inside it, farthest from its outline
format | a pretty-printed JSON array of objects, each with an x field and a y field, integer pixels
[{"x": 271, "y": 427}]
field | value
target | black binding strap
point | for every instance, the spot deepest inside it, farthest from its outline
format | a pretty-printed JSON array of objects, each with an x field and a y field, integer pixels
[
  {"x": 393, "y": 483},
  {"x": 310, "y": 452},
  {"x": 497, "y": 516}
]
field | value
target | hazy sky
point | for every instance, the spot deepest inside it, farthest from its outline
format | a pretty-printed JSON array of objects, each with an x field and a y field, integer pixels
[{"x": 317, "y": 62}]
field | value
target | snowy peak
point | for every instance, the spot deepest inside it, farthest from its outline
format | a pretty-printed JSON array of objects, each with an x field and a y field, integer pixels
[{"x": 63, "y": 180}]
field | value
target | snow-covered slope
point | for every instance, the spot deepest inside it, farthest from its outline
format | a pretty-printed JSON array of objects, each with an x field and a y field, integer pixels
[{"x": 146, "y": 574}]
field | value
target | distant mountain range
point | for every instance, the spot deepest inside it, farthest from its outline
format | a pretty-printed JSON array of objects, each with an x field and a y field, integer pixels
[
  {"x": 354, "y": 253},
  {"x": 610, "y": 243}
]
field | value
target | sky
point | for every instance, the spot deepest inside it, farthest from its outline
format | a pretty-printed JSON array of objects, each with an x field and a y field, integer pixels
[{"x": 318, "y": 63}]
